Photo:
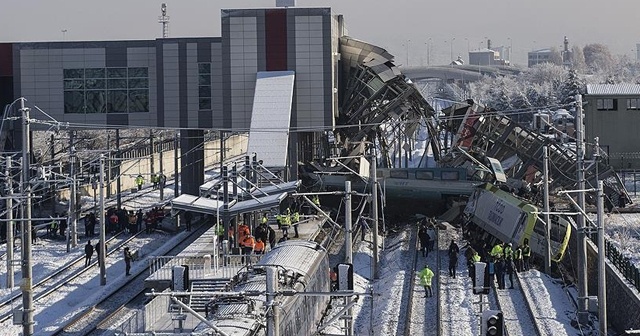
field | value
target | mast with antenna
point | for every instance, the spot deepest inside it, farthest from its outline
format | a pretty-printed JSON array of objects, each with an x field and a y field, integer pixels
[{"x": 164, "y": 19}]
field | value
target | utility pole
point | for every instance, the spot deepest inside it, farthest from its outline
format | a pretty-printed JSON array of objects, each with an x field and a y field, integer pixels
[
  {"x": 547, "y": 217},
  {"x": 72, "y": 239},
  {"x": 117, "y": 164},
  {"x": 374, "y": 208},
  {"x": 602, "y": 271},
  {"x": 161, "y": 168},
  {"x": 152, "y": 146},
  {"x": 583, "y": 314},
  {"x": 348, "y": 249},
  {"x": 176, "y": 175},
  {"x": 27, "y": 276},
  {"x": 102, "y": 217},
  {"x": 108, "y": 177},
  {"x": 9, "y": 223}
]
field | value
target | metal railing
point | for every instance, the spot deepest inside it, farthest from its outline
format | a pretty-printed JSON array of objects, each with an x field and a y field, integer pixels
[
  {"x": 161, "y": 267},
  {"x": 623, "y": 264}
]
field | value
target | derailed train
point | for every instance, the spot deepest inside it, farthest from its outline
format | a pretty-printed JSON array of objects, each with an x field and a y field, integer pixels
[
  {"x": 512, "y": 220},
  {"x": 301, "y": 266}
]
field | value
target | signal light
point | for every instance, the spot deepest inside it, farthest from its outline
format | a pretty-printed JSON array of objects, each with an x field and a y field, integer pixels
[{"x": 492, "y": 323}]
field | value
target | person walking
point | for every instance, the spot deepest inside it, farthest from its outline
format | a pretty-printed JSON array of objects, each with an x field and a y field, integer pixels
[
  {"x": 88, "y": 252},
  {"x": 423, "y": 235},
  {"x": 454, "y": 250},
  {"x": 500, "y": 269},
  {"x": 128, "y": 258},
  {"x": 426, "y": 275}
]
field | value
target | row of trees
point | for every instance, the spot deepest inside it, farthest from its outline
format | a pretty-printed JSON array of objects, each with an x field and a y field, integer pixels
[{"x": 547, "y": 85}]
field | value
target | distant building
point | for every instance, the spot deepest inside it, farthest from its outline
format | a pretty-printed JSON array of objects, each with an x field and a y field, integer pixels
[
  {"x": 486, "y": 57},
  {"x": 539, "y": 56},
  {"x": 637, "y": 51},
  {"x": 612, "y": 113}
]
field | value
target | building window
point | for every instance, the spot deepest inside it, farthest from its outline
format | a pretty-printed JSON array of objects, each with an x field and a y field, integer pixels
[
  {"x": 106, "y": 90},
  {"x": 606, "y": 104},
  {"x": 204, "y": 86},
  {"x": 633, "y": 104}
]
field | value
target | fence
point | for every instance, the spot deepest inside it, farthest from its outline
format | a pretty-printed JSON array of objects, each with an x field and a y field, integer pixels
[
  {"x": 161, "y": 267},
  {"x": 623, "y": 264}
]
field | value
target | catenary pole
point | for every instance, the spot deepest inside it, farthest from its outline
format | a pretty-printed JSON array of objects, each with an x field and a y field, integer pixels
[
  {"x": 9, "y": 223},
  {"x": 348, "y": 248},
  {"x": 27, "y": 276},
  {"x": 161, "y": 168},
  {"x": 118, "y": 180},
  {"x": 74, "y": 194},
  {"x": 374, "y": 209},
  {"x": 103, "y": 223},
  {"x": 582, "y": 244},
  {"x": 602, "y": 272},
  {"x": 547, "y": 217},
  {"x": 176, "y": 175}
]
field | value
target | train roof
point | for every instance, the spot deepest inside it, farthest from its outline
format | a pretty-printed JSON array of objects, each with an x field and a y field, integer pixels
[{"x": 510, "y": 198}]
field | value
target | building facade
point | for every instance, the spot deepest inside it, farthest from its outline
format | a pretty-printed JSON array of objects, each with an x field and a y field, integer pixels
[
  {"x": 189, "y": 83},
  {"x": 612, "y": 113}
]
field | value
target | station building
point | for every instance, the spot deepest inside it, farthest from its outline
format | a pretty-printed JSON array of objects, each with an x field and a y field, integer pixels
[{"x": 194, "y": 84}]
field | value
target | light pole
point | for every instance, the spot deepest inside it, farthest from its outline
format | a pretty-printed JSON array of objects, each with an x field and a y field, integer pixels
[
  {"x": 451, "y": 49},
  {"x": 428, "y": 51},
  {"x": 510, "y": 48},
  {"x": 407, "y": 46},
  {"x": 64, "y": 34}
]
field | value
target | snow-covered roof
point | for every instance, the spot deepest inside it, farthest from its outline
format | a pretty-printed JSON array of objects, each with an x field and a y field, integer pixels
[{"x": 613, "y": 89}]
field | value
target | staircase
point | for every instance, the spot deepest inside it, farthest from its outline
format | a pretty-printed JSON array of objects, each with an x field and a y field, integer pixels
[{"x": 198, "y": 302}]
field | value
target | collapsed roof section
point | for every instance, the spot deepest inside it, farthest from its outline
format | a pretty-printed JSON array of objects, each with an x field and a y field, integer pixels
[
  {"x": 477, "y": 133},
  {"x": 378, "y": 100}
]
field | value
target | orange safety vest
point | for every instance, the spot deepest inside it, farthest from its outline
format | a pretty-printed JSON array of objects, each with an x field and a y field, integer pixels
[
  {"x": 248, "y": 241},
  {"x": 243, "y": 231},
  {"x": 259, "y": 246}
]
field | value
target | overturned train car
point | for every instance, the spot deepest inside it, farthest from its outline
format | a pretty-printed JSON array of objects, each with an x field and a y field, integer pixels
[{"x": 512, "y": 220}]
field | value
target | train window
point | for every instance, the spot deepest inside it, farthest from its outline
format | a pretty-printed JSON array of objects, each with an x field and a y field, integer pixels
[
  {"x": 450, "y": 175},
  {"x": 403, "y": 174},
  {"x": 424, "y": 175}
]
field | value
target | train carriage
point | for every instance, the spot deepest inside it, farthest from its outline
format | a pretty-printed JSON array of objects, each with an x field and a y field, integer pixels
[
  {"x": 512, "y": 220},
  {"x": 301, "y": 266}
]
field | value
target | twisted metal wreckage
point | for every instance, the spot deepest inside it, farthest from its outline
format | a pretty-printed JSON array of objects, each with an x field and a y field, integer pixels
[{"x": 382, "y": 111}]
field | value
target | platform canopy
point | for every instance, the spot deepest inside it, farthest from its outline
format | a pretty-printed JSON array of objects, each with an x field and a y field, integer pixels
[
  {"x": 207, "y": 189},
  {"x": 186, "y": 202}
]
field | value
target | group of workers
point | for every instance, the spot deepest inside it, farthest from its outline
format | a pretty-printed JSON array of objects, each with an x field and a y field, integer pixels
[
  {"x": 503, "y": 259},
  {"x": 158, "y": 180}
]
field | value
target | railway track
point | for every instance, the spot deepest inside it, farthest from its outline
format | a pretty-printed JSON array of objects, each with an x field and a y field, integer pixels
[
  {"x": 60, "y": 278},
  {"x": 409, "y": 302},
  {"x": 123, "y": 298}
]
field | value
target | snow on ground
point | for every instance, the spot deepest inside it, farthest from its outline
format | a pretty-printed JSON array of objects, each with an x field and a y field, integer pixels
[
  {"x": 552, "y": 308},
  {"x": 459, "y": 306},
  {"x": 49, "y": 255}
]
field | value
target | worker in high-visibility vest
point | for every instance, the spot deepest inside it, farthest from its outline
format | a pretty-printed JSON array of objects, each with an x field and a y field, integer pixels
[
  {"x": 258, "y": 248},
  {"x": 295, "y": 219},
  {"x": 139, "y": 181},
  {"x": 285, "y": 223},
  {"x": 316, "y": 201},
  {"x": 497, "y": 251},
  {"x": 247, "y": 244},
  {"x": 265, "y": 219},
  {"x": 517, "y": 258},
  {"x": 526, "y": 255}
]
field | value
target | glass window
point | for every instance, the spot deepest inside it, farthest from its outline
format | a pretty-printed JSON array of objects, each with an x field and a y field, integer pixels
[
  {"x": 96, "y": 102},
  {"x": 94, "y": 73},
  {"x": 403, "y": 174},
  {"x": 138, "y": 100},
  {"x": 117, "y": 83},
  {"x": 204, "y": 68},
  {"x": 424, "y": 175},
  {"x": 117, "y": 72},
  {"x": 606, "y": 104},
  {"x": 204, "y": 104},
  {"x": 74, "y": 102},
  {"x": 204, "y": 80},
  {"x": 204, "y": 91},
  {"x": 74, "y": 84},
  {"x": 633, "y": 104},
  {"x": 116, "y": 101},
  {"x": 93, "y": 84},
  {"x": 73, "y": 73},
  {"x": 138, "y": 72},
  {"x": 449, "y": 175},
  {"x": 138, "y": 83}
]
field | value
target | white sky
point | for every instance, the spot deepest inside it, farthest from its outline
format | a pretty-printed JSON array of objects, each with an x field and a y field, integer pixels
[{"x": 389, "y": 24}]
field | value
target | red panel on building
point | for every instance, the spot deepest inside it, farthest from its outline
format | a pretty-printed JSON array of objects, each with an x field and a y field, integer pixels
[
  {"x": 6, "y": 59},
  {"x": 276, "y": 39}
]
